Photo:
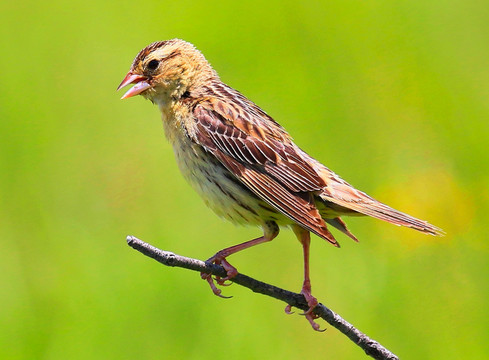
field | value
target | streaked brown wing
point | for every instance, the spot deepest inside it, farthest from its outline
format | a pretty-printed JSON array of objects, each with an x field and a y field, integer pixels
[
  {"x": 270, "y": 169},
  {"x": 271, "y": 152}
]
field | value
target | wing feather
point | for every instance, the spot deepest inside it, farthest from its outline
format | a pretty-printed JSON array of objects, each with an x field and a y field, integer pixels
[
  {"x": 269, "y": 174},
  {"x": 282, "y": 160}
]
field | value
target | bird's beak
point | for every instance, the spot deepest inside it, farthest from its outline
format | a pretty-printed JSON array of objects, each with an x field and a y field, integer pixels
[{"x": 140, "y": 81}]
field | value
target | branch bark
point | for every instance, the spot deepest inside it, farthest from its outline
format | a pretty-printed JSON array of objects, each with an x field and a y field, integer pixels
[{"x": 370, "y": 346}]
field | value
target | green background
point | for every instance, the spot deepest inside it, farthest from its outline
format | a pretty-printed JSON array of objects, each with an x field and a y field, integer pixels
[{"x": 393, "y": 96}]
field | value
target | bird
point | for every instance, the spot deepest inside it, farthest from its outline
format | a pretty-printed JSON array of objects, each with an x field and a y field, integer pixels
[{"x": 244, "y": 164}]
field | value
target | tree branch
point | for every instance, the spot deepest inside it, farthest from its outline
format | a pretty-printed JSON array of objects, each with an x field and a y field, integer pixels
[{"x": 371, "y": 347}]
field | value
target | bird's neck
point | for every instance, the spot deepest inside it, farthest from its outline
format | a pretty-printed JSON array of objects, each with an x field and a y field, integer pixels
[{"x": 173, "y": 115}]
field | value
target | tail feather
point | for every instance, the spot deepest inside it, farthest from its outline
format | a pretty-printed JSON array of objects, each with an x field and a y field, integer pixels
[
  {"x": 371, "y": 207},
  {"x": 340, "y": 225}
]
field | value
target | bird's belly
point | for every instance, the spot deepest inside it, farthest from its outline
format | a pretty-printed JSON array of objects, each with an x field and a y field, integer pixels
[{"x": 221, "y": 190}]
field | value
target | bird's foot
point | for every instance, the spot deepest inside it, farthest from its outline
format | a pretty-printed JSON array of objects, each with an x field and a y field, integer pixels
[
  {"x": 312, "y": 302},
  {"x": 231, "y": 272},
  {"x": 288, "y": 310},
  {"x": 309, "y": 314}
]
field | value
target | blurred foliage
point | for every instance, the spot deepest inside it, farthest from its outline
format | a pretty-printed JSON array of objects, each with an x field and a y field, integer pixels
[{"x": 393, "y": 96}]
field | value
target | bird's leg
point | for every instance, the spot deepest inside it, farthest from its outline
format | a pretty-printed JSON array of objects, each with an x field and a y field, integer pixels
[
  {"x": 270, "y": 231},
  {"x": 304, "y": 237}
]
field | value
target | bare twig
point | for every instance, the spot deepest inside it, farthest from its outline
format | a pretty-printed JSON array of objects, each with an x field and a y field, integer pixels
[{"x": 371, "y": 347}]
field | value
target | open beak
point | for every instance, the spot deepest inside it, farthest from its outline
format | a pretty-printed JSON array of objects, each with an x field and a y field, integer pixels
[{"x": 140, "y": 81}]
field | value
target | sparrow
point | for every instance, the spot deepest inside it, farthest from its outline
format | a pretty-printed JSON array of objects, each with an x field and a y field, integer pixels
[{"x": 243, "y": 164}]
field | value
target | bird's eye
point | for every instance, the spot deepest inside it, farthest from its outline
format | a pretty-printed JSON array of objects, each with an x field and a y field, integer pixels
[{"x": 153, "y": 64}]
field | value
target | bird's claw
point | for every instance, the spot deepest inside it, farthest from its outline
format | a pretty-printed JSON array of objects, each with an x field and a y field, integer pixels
[
  {"x": 310, "y": 310},
  {"x": 311, "y": 317},
  {"x": 309, "y": 314},
  {"x": 225, "y": 281},
  {"x": 312, "y": 302},
  {"x": 215, "y": 290},
  {"x": 288, "y": 310}
]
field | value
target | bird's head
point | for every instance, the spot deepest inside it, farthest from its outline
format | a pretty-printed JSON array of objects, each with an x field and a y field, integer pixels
[{"x": 166, "y": 70}]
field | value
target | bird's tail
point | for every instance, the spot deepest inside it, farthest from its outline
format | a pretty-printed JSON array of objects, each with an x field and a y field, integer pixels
[{"x": 359, "y": 202}]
